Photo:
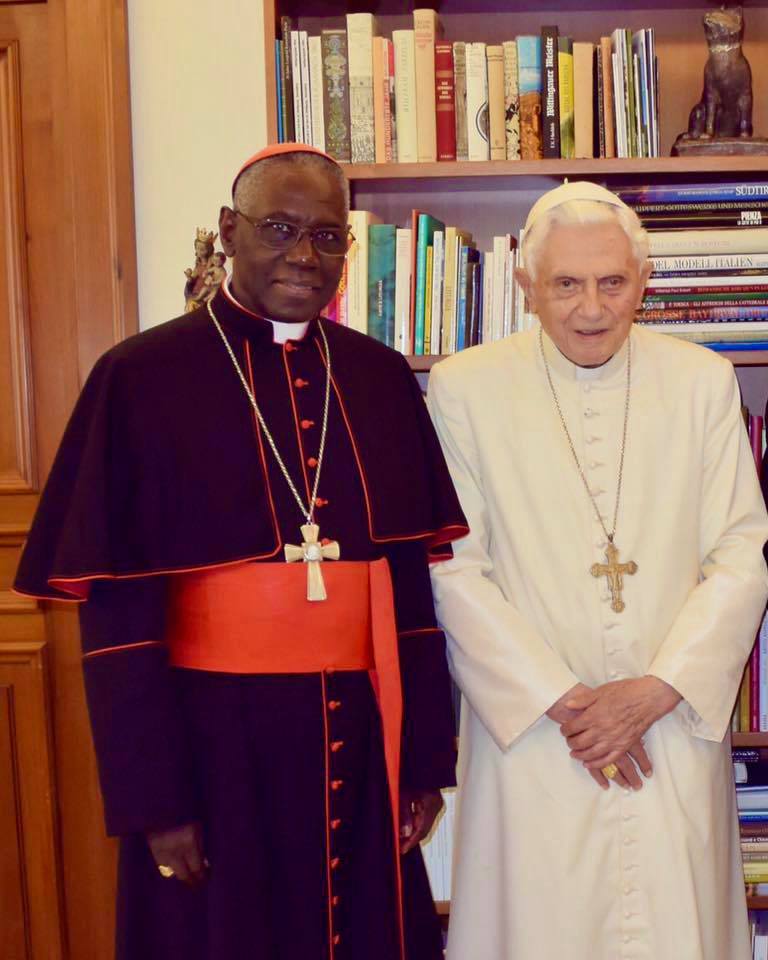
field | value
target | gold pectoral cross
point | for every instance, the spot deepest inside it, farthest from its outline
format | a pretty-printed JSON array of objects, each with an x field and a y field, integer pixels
[
  {"x": 614, "y": 571},
  {"x": 312, "y": 552}
]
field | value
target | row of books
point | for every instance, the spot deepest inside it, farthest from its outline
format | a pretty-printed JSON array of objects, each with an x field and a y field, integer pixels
[
  {"x": 759, "y": 932},
  {"x": 713, "y": 283},
  {"x": 437, "y": 850},
  {"x": 364, "y": 98},
  {"x": 425, "y": 289},
  {"x": 751, "y": 775}
]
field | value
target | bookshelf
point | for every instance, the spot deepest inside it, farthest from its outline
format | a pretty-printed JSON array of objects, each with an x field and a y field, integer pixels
[{"x": 493, "y": 197}]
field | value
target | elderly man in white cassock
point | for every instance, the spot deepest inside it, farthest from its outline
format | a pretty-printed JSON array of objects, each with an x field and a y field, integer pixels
[{"x": 599, "y": 614}]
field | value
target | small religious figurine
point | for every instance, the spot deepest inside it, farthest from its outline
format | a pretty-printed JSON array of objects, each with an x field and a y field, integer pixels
[
  {"x": 721, "y": 122},
  {"x": 208, "y": 272}
]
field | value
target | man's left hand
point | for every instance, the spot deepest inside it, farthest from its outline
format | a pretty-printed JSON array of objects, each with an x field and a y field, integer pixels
[
  {"x": 614, "y": 717},
  {"x": 418, "y": 812}
]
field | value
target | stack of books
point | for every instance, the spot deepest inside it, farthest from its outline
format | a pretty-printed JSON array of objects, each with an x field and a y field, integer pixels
[
  {"x": 424, "y": 288},
  {"x": 364, "y": 98},
  {"x": 709, "y": 248},
  {"x": 751, "y": 775}
]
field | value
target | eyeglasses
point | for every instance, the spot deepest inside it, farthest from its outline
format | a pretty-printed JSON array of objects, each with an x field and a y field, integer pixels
[{"x": 281, "y": 235}]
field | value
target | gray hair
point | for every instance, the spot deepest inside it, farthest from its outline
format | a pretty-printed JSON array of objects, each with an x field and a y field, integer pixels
[
  {"x": 583, "y": 212},
  {"x": 250, "y": 183}
]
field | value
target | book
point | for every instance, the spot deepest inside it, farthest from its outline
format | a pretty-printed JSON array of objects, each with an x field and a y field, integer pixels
[
  {"x": 315, "y": 63},
  {"x": 390, "y": 130},
  {"x": 298, "y": 102},
  {"x": 381, "y": 282},
  {"x": 454, "y": 238},
  {"x": 425, "y": 34},
  {"x": 306, "y": 93},
  {"x": 709, "y": 261},
  {"x": 477, "y": 102},
  {"x": 380, "y": 97},
  {"x": 460, "y": 92},
  {"x": 567, "y": 96},
  {"x": 607, "y": 96},
  {"x": 686, "y": 192},
  {"x": 338, "y": 144},
  {"x": 529, "y": 85},
  {"x": 428, "y": 301},
  {"x": 286, "y": 79},
  {"x": 741, "y": 219},
  {"x": 445, "y": 102},
  {"x": 425, "y": 231},
  {"x": 405, "y": 95},
  {"x": 583, "y": 81},
  {"x": 279, "y": 83},
  {"x": 360, "y": 31},
  {"x": 403, "y": 256},
  {"x": 511, "y": 100},
  {"x": 550, "y": 107},
  {"x": 664, "y": 243},
  {"x": 357, "y": 266},
  {"x": 438, "y": 268},
  {"x": 497, "y": 137}
]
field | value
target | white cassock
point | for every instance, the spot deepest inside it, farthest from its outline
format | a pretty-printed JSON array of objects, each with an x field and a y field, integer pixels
[{"x": 547, "y": 865}]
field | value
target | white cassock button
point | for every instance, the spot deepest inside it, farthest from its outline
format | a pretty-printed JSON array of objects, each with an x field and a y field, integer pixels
[
  {"x": 627, "y": 938},
  {"x": 592, "y": 439},
  {"x": 627, "y": 915},
  {"x": 594, "y": 464},
  {"x": 587, "y": 387},
  {"x": 627, "y": 890},
  {"x": 627, "y": 841}
]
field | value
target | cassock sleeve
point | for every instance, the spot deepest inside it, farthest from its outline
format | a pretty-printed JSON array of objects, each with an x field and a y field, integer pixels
[
  {"x": 428, "y": 757},
  {"x": 506, "y": 670},
  {"x": 703, "y": 654},
  {"x": 135, "y": 716}
]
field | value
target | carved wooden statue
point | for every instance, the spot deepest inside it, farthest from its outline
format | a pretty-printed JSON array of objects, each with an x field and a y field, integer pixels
[{"x": 208, "y": 273}]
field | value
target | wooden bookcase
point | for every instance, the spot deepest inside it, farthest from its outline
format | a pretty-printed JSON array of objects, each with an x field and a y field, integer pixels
[{"x": 494, "y": 197}]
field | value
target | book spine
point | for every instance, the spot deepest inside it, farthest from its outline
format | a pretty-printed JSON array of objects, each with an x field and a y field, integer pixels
[
  {"x": 497, "y": 137},
  {"x": 583, "y": 77},
  {"x": 723, "y": 315},
  {"x": 360, "y": 30},
  {"x": 692, "y": 242},
  {"x": 687, "y": 192},
  {"x": 422, "y": 243},
  {"x": 336, "y": 94},
  {"x": 279, "y": 83},
  {"x": 286, "y": 48},
  {"x": 477, "y": 102},
  {"x": 381, "y": 282},
  {"x": 607, "y": 96},
  {"x": 380, "y": 97},
  {"x": 702, "y": 303},
  {"x": 550, "y": 108},
  {"x": 428, "y": 276},
  {"x": 298, "y": 105},
  {"x": 438, "y": 266},
  {"x": 306, "y": 93},
  {"x": 316, "y": 88},
  {"x": 498, "y": 282},
  {"x": 566, "y": 72},
  {"x": 708, "y": 261},
  {"x": 529, "y": 84},
  {"x": 461, "y": 299},
  {"x": 388, "y": 65},
  {"x": 445, "y": 102},
  {"x": 342, "y": 297},
  {"x": 763, "y": 644},
  {"x": 447, "y": 341},
  {"x": 425, "y": 33},
  {"x": 511, "y": 100},
  {"x": 740, "y": 219},
  {"x": 699, "y": 206},
  {"x": 403, "y": 256},
  {"x": 405, "y": 96},
  {"x": 460, "y": 89},
  {"x": 725, "y": 283}
]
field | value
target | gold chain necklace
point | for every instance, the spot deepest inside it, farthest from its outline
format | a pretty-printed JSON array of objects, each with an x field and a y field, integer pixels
[
  {"x": 612, "y": 569},
  {"x": 311, "y": 551}
]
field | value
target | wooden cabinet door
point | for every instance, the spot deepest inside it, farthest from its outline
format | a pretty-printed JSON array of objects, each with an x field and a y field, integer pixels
[{"x": 67, "y": 292}]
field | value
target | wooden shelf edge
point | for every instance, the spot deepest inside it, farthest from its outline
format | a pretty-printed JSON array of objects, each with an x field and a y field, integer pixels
[
  {"x": 749, "y": 739},
  {"x": 555, "y": 168},
  {"x": 739, "y": 358}
]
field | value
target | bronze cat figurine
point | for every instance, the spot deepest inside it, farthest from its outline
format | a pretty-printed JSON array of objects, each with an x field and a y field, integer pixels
[{"x": 725, "y": 108}]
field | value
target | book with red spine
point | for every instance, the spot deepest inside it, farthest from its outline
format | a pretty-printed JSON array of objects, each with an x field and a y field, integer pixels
[{"x": 445, "y": 102}]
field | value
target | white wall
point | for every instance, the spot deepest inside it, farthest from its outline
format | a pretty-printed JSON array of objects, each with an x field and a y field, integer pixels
[{"x": 198, "y": 111}]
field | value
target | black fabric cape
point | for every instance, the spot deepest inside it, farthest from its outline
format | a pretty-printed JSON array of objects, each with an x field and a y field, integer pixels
[{"x": 163, "y": 469}]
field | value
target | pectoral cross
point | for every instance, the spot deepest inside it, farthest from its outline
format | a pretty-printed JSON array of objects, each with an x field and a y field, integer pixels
[
  {"x": 312, "y": 552},
  {"x": 614, "y": 571}
]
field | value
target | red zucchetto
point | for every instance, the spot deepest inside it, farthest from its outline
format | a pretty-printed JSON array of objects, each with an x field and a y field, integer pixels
[{"x": 276, "y": 150}]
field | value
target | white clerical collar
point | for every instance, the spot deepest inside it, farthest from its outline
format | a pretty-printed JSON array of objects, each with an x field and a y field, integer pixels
[
  {"x": 572, "y": 371},
  {"x": 281, "y": 332}
]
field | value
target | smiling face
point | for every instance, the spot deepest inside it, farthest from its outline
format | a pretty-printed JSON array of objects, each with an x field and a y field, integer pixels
[
  {"x": 290, "y": 286},
  {"x": 587, "y": 287}
]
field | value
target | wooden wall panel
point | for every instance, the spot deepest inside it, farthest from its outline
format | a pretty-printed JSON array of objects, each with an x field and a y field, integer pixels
[
  {"x": 16, "y": 429},
  {"x": 29, "y": 885}
]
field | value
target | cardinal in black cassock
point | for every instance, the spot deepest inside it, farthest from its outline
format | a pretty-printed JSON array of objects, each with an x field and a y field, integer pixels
[{"x": 269, "y": 761}]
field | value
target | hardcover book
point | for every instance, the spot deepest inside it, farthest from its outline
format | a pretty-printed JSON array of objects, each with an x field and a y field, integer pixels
[
  {"x": 529, "y": 84},
  {"x": 445, "y": 102},
  {"x": 360, "y": 31},
  {"x": 336, "y": 94},
  {"x": 460, "y": 88},
  {"x": 511, "y": 100},
  {"x": 550, "y": 111}
]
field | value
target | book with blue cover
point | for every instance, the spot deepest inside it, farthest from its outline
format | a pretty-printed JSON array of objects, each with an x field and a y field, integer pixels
[
  {"x": 426, "y": 230},
  {"x": 381, "y": 282}
]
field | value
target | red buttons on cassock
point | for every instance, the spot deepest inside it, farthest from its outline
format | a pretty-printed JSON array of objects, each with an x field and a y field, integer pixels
[
  {"x": 312, "y": 462},
  {"x": 336, "y": 901},
  {"x": 307, "y": 424},
  {"x": 335, "y": 824},
  {"x": 337, "y": 745},
  {"x": 335, "y": 863},
  {"x": 334, "y": 704},
  {"x": 336, "y": 784},
  {"x": 320, "y": 502},
  {"x": 289, "y": 347},
  {"x": 337, "y": 939},
  {"x": 299, "y": 383}
]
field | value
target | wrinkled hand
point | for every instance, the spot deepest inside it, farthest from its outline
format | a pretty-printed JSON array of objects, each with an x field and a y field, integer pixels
[
  {"x": 628, "y": 763},
  {"x": 613, "y": 718},
  {"x": 559, "y": 712},
  {"x": 181, "y": 849},
  {"x": 418, "y": 812}
]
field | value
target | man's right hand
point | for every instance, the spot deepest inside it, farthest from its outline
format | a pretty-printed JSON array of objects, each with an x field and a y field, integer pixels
[{"x": 181, "y": 849}]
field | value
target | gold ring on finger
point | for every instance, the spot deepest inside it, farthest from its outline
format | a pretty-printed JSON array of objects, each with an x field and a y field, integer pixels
[
  {"x": 610, "y": 770},
  {"x": 166, "y": 872}
]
